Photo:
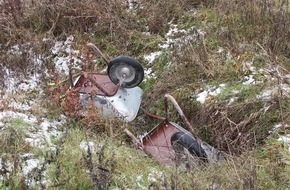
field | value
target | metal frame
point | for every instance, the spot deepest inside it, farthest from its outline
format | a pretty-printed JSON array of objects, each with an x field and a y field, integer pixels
[{"x": 157, "y": 142}]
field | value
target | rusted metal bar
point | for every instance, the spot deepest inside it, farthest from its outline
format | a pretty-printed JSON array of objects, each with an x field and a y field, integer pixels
[
  {"x": 88, "y": 77},
  {"x": 180, "y": 112},
  {"x": 97, "y": 50},
  {"x": 136, "y": 142},
  {"x": 100, "y": 87},
  {"x": 153, "y": 115},
  {"x": 71, "y": 75}
]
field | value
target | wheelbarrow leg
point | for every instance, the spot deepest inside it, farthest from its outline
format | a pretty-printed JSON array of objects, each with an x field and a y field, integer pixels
[
  {"x": 135, "y": 140},
  {"x": 180, "y": 112}
]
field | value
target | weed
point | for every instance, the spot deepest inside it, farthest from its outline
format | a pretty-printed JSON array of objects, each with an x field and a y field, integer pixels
[{"x": 13, "y": 136}]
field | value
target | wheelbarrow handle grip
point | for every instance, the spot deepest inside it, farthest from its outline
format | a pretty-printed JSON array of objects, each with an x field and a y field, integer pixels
[
  {"x": 78, "y": 73},
  {"x": 98, "y": 51},
  {"x": 168, "y": 97}
]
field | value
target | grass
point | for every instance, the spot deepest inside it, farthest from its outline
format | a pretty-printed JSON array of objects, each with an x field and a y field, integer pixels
[
  {"x": 227, "y": 36},
  {"x": 12, "y": 137},
  {"x": 128, "y": 168}
]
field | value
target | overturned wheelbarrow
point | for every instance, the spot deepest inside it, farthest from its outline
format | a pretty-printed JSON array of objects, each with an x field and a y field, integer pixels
[
  {"x": 162, "y": 141},
  {"x": 115, "y": 93}
]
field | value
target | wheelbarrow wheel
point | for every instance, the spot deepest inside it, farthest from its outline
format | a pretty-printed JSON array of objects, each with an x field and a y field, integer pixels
[
  {"x": 188, "y": 142},
  {"x": 126, "y": 69}
]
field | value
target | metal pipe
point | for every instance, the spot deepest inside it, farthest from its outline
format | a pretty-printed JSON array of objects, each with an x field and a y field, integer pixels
[
  {"x": 180, "y": 112},
  {"x": 97, "y": 50}
]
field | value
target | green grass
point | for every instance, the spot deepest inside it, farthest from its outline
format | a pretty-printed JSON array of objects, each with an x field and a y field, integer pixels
[{"x": 13, "y": 135}]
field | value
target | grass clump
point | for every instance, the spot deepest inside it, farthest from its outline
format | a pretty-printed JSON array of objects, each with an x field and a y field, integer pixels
[
  {"x": 81, "y": 163},
  {"x": 255, "y": 21},
  {"x": 13, "y": 136}
]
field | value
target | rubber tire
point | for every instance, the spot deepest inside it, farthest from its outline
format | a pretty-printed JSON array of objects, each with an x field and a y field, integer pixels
[
  {"x": 139, "y": 71},
  {"x": 188, "y": 142}
]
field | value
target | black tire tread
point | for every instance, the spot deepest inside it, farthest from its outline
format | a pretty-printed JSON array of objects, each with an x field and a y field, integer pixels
[
  {"x": 132, "y": 62},
  {"x": 189, "y": 143}
]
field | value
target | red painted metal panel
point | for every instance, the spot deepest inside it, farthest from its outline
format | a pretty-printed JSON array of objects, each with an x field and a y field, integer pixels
[
  {"x": 97, "y": 84},
  {"x": 157, "y": 143}
]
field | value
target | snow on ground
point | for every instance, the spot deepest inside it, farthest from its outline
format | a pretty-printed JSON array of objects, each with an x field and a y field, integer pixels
[
  {"x": 174, "y": 37},
  {"x": 65, "y": 55},
  {"x": 15, "y": 85},
  {"x": 153, "y": 176},
  {"x": 40, "y": 132},
  {"x": 203, "y": 96},
  {"x": 179, "y": 37},
  {"x": 151, "y": 57}
]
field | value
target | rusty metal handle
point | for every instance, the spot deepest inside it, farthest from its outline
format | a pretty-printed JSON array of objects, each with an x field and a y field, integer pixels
[
  {"x": 168, "y": 97},
  {"x": 136, "y": 142},
  {"x": 71, "y": 75},
  {"x": 101, "y": 88},
  {"x": 98, "y": 51}
]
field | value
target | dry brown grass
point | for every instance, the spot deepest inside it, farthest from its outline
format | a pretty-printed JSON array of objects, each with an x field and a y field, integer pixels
[
  {"x": 110, "y": 24},
  {"x": 238, "y": 127},
  {"x": 264, "y": 22},
  {"x": 245, "y": 28}
]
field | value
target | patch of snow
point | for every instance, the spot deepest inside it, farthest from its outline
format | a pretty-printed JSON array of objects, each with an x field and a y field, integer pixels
[
  {"x": 15, "y": 83},
  {"x": 210, "y": 92},
  {"x": 220, "y": 50},
  {"x": 232, "y": 100},
  {"x": 250, "y": 66},
  {"x": 201, "y": 97},
  {"x": 51, "y": 129},
  {"x": 16, "y": 49},
  {"x": 155, "y": 175},
  {"x": 33, "y": 142},
  {"x": 61, "y": 64},
  {"x": 285, "y": 139},
  {"x": 86, "y": 145},
  {"x": 11, "y": 114},
  {"x": 29, "y": 165},
  {"x": 179, "y": 37},
  {"x": 266, "y": 94},
  {"x": 151, "y": 57},
  {"x": 66, "y": 55},
  {"x": 6, "y": 167},
  {"x": 140, "y": 181},
  {"x": 174, "y": 36},
  {"x": 269, "y": 93},
  {"x": 148, "y": 74},
  {"x": 229, "y": 55},
  {"x": 134, "y": 5},
  {"x": 278, "y": 126},
  {"x": 30, "y": 84},
  {"x": 20, "y": 106},
  {"x": 39, "y": 135},
  {"x": 248, "y": 80}
]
